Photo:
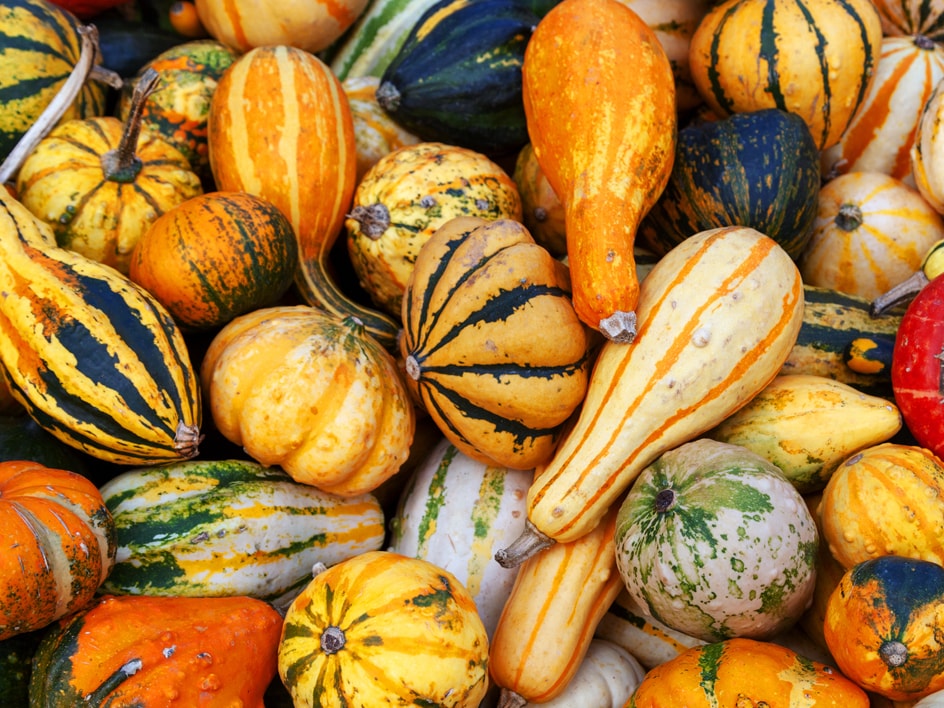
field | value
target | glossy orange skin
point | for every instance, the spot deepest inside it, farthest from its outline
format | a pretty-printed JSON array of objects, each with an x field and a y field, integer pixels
[
  {"x": 599, "y": 98},
  {"x": 59, "y": 545}
]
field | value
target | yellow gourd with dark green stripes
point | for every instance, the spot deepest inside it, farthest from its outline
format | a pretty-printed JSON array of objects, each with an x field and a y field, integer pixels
[{"x": 95, "y": 360}]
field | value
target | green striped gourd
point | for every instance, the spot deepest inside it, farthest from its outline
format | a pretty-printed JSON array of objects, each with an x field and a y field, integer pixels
[
  {"x": 41, "y": 45},
  {"x": 714, "y": 541},
  {"x": 833, "y": 323},
  {"x": 881, "y": 134},
  {"x": 229, "y": 527},
  {"x": 94, "y": 359},
  {"x": 693, "y": 363},
  {"x": 456, "y": 512},
  {"x": 814, "y": 58}
]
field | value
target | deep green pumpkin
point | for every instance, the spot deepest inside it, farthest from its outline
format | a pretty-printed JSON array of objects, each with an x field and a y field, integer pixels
[
  {"x": 457, "y": 77},
  {"x": 758, "y": 169}
]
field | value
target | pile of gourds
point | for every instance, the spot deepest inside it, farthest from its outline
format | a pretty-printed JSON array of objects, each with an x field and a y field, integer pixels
[{"x": 472, "y": 353}]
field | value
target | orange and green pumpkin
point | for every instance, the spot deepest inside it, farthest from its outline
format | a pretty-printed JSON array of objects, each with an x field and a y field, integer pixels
[{"x": 885, "y": 626}]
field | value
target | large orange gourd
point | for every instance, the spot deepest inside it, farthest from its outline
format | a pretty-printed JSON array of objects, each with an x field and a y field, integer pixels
[{"x": 599, "y": 97}]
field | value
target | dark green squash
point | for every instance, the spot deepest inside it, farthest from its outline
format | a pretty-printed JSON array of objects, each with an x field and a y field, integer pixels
[
  {"x": 22, "y": 438},
  {"x": 457, "y": 77},
  {"x": 758, "y": 169}
]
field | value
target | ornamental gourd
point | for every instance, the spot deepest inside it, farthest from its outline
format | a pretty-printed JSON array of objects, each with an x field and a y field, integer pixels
[
  {"x": 49, "y": 45},
  {"x": 100, "y": 183},
  {"x": 870, "y": 233},
  {"x": 312, "y": 393},
  {"x": 885, "y": 623},
  {"x": 405, "y": 197},
  {"x": 815, "y": 59},
  {"x": 137, "y": 651},
  {"x": 714, "y": 541},
  {"x": 280, "y": 127},
  {"x": 96, "y": 360},
  {"x": 927, "y": 152},
  {"x": 747, "y": 672},
  {"x": 916, "y": 366},
  {"x": 216, "y": 256},
  {"x": 598, "y": 63},
  {"x": 492, "y": 347},
  {"x": 693, "y": 364},
  {"x": 384, "y": 629},
  {"x": 911, "y": 17},
  {"x": 881, "y": 134},
  {"x": 60, "y": 545},
  {"x": 885, "y": 499}
]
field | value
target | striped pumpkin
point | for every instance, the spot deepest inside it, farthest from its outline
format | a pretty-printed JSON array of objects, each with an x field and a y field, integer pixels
[
  {"x": 881, "y": 134},
  {"x": 280, "y": 127},
  {"x": 384, "y": 629},
  {"x": 95, "y": 359},
  {"x": 41, "y": 46},
  {"x": 456, "y": 512},
  {"x": 870, "y": 233},
  {"x": 405, "y": 197},
  {"x": 229, "y": 527},
  {"x": 927, "y": 153},
  {"x": 693, "y": 364},
  {"x": 814, "y": 58},
  {"x": 911, "y": 17},
  {"x": 491, "y": 344}
]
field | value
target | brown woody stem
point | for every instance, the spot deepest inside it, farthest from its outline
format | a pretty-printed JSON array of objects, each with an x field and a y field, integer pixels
[
  {"x": 901, "y": 293},
  {"x": 122, "y": 163},
  {"x": 510, "y": 699},
  {"x": 529, "y": 543}
]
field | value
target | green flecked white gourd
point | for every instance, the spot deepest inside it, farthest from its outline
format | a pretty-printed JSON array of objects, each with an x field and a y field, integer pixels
[
  {"x": 231, "y": 527},
  {"x": 714, "y": 541},
  {"x": 456, "y": 512}
]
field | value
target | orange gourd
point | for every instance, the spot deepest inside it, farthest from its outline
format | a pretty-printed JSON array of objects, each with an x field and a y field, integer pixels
[
  {"x": 59, "y": 545},
  {"x": 599, "y": 97}
]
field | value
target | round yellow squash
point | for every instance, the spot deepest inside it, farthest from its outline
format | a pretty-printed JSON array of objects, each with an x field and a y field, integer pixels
[
  {"x": 886, "y": 499},
  {"x": 312, "y": 393},
  {"x": 383, "y": 629}
]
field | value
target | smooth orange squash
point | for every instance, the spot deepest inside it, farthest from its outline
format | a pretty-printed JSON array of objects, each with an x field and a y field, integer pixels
[{"x": 599, "y": 97}]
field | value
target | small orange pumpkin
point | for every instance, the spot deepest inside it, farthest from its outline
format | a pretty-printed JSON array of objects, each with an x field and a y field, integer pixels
[
  {"x": 59, "y": 545},
  {"x": 216, "y": 256},
  {"x": 312, "y": 393}
]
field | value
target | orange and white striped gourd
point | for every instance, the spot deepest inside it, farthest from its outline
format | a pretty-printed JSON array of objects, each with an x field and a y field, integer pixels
[
  {"x": 882, "y": 132},
  {"x": 694, "y": 362},
  {"x": 927, "y": 152},
  {"x": 548, "y": 622},
  {"x": 597, "y": 63},
  {"x": 280, "y": 127}
]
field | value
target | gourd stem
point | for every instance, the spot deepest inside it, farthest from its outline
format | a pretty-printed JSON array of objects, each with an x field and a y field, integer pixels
[
  {"x": 374, "y": 219},
  {"x": 187, "y": 439},
  {"x": 849, "y": 217},
  {"x": 620, "y": 327},
  {"x": 510, "y": 699},
  {"x": 65, "y": 97},
  {"x": 388, "y": 97},
  {"x": 530, "y": 542},
  {"x": 901, "y": 293},
  {"x": 893, "y": 653},
  {"x": 332, "y": 639},
  {"x": 122, "y": 164}
]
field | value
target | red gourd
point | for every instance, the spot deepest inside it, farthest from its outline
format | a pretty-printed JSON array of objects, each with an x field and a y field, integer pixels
[{"x": 917, "y": 373}]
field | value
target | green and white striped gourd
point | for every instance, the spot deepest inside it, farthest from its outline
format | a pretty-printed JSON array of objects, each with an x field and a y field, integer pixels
[
  {"x": 456, "y": 512},
  {"x": 231, "y": 527},
  {"x": 714, "y": 541}
]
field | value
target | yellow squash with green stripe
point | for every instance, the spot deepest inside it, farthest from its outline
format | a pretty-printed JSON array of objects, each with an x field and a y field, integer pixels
[
  {"x": 718, "y": 316},
  {"x": 95, "y": 359}
]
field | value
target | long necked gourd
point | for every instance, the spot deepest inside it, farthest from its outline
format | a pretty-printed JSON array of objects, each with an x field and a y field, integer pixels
[{"x": 717, "y": 318}]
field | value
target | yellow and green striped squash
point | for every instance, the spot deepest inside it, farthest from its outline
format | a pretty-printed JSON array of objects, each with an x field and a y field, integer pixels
[
  {"x": 41, "y": 45},
  {"x": 215, "y": 528},
  {"x": 95, "y": 360},
  {"x": 382, "y": 629}
]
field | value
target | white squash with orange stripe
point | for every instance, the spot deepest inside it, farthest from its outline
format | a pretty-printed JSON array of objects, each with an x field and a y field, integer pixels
[
  {"x": 718, "y": 316},
  {"x": 456, "y": 512},
  {"x": 547, "y": 625},
  {"x": 882, "y": 132}
]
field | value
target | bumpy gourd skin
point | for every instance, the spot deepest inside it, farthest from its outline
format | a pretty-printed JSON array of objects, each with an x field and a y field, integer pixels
[{"x": 599, "y": 97}]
